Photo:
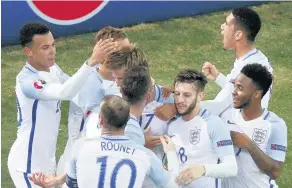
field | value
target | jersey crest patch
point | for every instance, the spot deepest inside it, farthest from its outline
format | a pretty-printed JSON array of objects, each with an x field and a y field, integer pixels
[
  {"x": 195, "y": 136},
  {"x": 259, "y": 135},
  {"x": 39, "y": 84}
]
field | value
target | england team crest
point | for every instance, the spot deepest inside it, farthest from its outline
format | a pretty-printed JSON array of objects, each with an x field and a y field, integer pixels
[
  {"x": 259, "y": 135},
  {"x": 195, "y": 136}
]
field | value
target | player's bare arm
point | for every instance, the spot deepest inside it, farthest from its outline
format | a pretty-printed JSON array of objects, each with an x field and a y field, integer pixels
[{"x": 269, "y": 166}]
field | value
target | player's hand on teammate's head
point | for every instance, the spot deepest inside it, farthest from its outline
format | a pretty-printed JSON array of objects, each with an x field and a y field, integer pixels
[
  {"x": 240, "y": 140},
  {"x": 167, "y": 90},
  {"x": 151, "y": 141},
  {"x": 210, "y": 70},
  {"x": 101, "y": 51},
  {"x": 190, "y": 174},
  {"x": 166, "y": 111},
  {"x": 167, "y": 144},
  {"x": 44, "y": 180}
]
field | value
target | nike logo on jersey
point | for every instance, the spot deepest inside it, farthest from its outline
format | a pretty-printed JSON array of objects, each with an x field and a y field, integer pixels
[{"x": 229, "y": 122}]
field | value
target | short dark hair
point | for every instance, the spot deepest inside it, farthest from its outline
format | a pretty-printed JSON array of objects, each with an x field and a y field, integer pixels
[
  {"x": 248, "y": 20},
  {"x": 260, "y": 76},
  {"x": 116, "y": 112},
  {"x": 127, "y": 58},
  {"x": 110, "y": 32},
  {"x": 192, "y": 76},
  {"x": 136, "y": 84},
  {"x": 29, "y": 30}
]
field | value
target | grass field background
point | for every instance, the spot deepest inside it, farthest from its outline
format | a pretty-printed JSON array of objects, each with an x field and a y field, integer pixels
[{"x": 170, "y": 46}]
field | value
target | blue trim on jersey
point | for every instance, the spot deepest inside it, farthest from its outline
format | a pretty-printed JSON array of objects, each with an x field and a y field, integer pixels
[
  {"x": 27, "y": 180},
  {"x": 71, "y": 182},
  {"x": 238, "y": 152},
  {"x": 217, "y": 180},
  {"x": 140, "y": 121},
  {"x": 133, "y": 118},
  {"x": 251, "y": 54},
  {"x": 271, "y": 185},
  {"x": 232, "y": 81},
  {"x": 20, "y": 113},
  {"x": 216, "y": 183},
  {"x": 34, "y": 110},
  {"x": 115, "y": 139},
  {"x": 267, "y": 115},
  {"x": 158, "y": 92},
  {"x": 30, "y": 69},
  {"x": 82, "y": 125},
  {"x": 203, "y": 112}
]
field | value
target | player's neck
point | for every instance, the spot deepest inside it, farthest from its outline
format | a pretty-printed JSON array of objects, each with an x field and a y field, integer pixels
[
  {"x": 252, "y": 112},
  {"x": 193, "y": 114},
  {"x": 136, "y": 110},
  {"x": 242, "y": 49},
  {"x": 38, "y": 66},
  {"x": 106, "y": 132}
]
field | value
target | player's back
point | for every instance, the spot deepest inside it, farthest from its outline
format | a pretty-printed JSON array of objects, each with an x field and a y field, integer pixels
[{"x": 111, "y": 162}]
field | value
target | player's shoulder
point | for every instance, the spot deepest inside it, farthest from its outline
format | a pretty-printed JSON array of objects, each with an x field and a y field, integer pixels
[
  {"x": 88, "y": 142},
  {"x": 132, "y": 122},
  {"x": 56, "y": 67},
  {"x": 27, "y": 73},
  {"x": 208, "y": 117},
  {"x": 275, "y": 120},
  {"x": 259, "y": 58},
  {"x": 147, "y": 151}
]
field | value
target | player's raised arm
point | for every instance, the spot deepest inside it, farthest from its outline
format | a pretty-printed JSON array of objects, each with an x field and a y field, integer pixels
[
  {"x": 39, "y": 88},
  {"x": 158, "y": 174}
]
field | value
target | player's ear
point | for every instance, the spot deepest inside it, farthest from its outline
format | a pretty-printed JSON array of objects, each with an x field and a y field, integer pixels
[
  {"x": 238, "y": 35},
  {"x": 149, "y": 97},
  {"x": 27, "y": 51},
  {"x": 201, "y": 96},
  {"x": 100, "y": 120},
  {"x": 258, "y": 94}
]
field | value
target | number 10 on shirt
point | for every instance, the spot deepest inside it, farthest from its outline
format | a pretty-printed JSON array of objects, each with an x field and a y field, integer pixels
[{"x": 114, "y": 173}]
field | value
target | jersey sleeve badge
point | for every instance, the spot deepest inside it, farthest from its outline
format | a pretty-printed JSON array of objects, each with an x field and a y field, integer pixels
[{"x": 39, "y": 84}]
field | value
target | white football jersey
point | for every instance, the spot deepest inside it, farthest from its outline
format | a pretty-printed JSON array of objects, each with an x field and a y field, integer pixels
[
  {"x": 148, "y": 119},
  {"x": 89, "y": 98},
  {"x": 91, "y": 123},
  {"x": 38, "y": 121},
  {"x": 202, "y": 140},
  {"x": 269, "y": 132},
  {"x": 113, "y": 161}
]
